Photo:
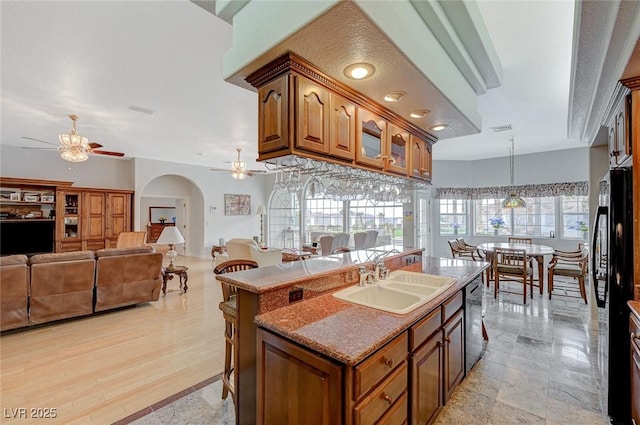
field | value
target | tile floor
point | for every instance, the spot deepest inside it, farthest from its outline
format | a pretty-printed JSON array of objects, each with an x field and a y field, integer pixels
[{"x": 540, "y": 367}]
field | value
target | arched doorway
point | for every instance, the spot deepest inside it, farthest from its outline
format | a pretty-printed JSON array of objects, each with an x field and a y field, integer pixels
[{"x": 180, "y": 195}]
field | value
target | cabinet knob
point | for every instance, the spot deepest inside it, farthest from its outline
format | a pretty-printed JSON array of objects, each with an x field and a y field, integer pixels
[
  {"x": 389, "y": 362},
  {"x": 387, "y": 398}
]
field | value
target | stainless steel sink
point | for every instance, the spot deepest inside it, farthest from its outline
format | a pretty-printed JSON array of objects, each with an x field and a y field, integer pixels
[{"x": 401, "y": 293}]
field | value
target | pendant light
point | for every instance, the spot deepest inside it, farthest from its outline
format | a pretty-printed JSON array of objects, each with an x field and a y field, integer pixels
[{"x": 513, "y": 200}]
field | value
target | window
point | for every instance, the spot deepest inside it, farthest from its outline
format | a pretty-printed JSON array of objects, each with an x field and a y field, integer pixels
[
  {"x": 385, "y": 217},
  {"x": 575, "y": 216},
  {"x": 537, "y": 219},
  {"x": 322, "y": 217},
  {"x": 491, "y": 218},
  {"x": 453, "y": 216},
  {"x": 284, "y": 219}
]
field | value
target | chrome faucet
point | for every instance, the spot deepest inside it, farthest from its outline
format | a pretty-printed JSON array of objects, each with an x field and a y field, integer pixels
[
  {"x": 366, "y": 276},
  {"x": 380, "y": 271}
]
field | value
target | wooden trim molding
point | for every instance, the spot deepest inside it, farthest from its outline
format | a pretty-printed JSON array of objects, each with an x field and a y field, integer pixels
[{"x": 9, "y": 181}]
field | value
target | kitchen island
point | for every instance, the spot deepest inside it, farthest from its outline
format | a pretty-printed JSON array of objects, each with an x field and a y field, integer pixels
[{"x": 323, "y": 360}]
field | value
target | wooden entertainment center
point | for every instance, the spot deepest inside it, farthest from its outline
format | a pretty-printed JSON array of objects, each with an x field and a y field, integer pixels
[{"x": 53, "y": 216}]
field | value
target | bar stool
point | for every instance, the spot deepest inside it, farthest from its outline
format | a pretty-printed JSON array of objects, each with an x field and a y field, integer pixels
[{"x": 228, "y": 308}]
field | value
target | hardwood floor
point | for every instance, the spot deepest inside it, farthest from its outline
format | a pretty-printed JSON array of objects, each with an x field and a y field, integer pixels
[{"x": 100, "y": 369}]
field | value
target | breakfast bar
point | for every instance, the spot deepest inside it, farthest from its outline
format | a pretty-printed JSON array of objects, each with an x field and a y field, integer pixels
[{"x": 291, "y": 308}]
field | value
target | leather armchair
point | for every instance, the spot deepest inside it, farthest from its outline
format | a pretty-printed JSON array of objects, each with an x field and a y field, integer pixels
[
  {"x": 126, "y": 276},
  {"x": 61, "y": 285},
  {"x": 14, "y": 292}
]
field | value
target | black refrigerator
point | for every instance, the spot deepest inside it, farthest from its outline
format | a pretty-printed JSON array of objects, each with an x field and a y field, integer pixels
[{"x": 612, "y": 278}]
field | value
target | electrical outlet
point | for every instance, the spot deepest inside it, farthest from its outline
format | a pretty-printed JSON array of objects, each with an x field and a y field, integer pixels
[{"x": 295, "y": 295}]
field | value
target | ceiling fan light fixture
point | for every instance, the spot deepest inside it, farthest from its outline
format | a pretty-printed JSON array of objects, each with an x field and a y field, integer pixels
[
  {"x": 420, "y": 113},
  {"x": 73, "y": 147},
  {"x": 394, "y": 96},
  {"x": 238, "y": 174},
  {"x": 359, "y": 71}
]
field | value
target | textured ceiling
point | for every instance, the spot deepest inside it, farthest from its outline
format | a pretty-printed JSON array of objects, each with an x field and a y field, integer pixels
[{"x": 96, "y": 59}]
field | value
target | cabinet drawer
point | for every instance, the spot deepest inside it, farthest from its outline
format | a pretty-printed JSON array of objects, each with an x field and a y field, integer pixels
[
  {"x": 397, "y": 415},
  {"x": 374, "y": 369},
  {"x": 450, "y": 306},
  {"x": 422, "y": 330},
  {"x": 383, "y": 398}
]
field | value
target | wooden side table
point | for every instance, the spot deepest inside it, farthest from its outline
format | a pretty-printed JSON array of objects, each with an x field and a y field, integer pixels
[
  {"x": 180, "y": 271},
  {"x": 218, "y": 249}
]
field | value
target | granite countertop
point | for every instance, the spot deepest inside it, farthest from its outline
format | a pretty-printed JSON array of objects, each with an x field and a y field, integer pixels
[
  {"x": 265, "y": 279},
  {"x": 349, "y": 332}
]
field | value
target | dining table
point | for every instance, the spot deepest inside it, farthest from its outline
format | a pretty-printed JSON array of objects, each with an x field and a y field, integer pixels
[{"x": 531, "y": 250}]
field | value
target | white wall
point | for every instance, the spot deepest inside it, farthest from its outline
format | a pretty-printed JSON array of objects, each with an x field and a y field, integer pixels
[
  {"x": 550, "y": 167},
  {"x": 206, "y": 201},
  {"x": 97, "y": 172}
]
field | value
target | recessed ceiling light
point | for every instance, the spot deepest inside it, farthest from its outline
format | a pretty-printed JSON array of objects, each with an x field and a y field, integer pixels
[
  {"x": 395, "y": 96},
  {"x": 420, "y": 113},
  {"x": 358, "y": 71},
  {"x": 439, "y": 127}
]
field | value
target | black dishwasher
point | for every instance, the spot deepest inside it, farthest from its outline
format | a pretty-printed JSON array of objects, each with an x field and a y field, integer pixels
[{"x": 473, "y": 313}]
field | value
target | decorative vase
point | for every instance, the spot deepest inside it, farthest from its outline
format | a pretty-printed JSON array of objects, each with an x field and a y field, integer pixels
[
  {"x": 495, "y": 232},
  {"x": 161, "y": 221}
]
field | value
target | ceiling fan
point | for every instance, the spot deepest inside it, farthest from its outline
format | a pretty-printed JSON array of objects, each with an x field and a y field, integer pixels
[
  {"x": 239, "y": 169},
  {"x": 74, "y": 147}
]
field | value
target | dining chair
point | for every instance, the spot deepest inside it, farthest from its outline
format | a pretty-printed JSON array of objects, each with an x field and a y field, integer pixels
[
  {"x": 462, "y": 244},
  {"x": 458, "y": 252},
  {"x": 229, "y": 313},
  {"x": 519, "y": 240},
  {"x": 326, "y": 244},
  {"x": 511, "y": 263},
  {"x": 571, "y": 264},
  {"x": 358, "y": 239},
  {"x": 341, "y": 249}
]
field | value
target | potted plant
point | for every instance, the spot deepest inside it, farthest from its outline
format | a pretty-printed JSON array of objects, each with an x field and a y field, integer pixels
[
  {"x": 496, "y": 223},
  {"x": 162, "y": 219},
  {"x": 455, "y": 226},
  {"x": 581, "y": 227}
]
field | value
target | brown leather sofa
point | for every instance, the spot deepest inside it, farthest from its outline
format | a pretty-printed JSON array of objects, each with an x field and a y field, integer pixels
[
  {"x": 126, "y": 276},
  {"x": 61, "y": 285},
  {"x": 14, "y": 292},
  {"x": 48, "y": 287}
]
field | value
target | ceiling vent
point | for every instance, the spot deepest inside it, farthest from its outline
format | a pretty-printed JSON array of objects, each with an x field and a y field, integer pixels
[{"x": 499, "y": 128}]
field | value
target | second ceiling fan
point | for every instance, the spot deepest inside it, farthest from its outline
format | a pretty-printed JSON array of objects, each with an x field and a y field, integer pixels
[{"x": 239, "y": 169}]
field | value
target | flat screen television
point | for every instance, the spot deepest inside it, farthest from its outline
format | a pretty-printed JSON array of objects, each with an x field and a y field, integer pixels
[{"x": 27, "y": 237}]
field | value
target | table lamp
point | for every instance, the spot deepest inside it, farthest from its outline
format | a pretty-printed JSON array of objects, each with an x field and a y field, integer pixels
[
  {"x": 170, "y": 236},
  {"x": 261, "y": 211}
]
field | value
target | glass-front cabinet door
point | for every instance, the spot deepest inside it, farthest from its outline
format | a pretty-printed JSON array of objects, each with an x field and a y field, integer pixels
[
  {"x": 420, "y": 159},
  {"x": 69, "y": 226},
  {"x": 397, "y": 150},
  {"x": 370, "y": 136}
]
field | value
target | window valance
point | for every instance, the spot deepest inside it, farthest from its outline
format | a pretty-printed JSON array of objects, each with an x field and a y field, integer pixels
[{"x": 526, "y": 191}]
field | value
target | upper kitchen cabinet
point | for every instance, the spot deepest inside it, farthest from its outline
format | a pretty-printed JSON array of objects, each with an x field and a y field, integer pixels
[
  {"x": 311, "y": 110},
  {"x": 273, "y": 116},
  {"x": 420, "y": 159},
  {"x": 305, "y": 112},
  {"x": 342, "y": 127},
  {"x": 397, "y": 154},
  {"x": 371, "y": 132},
  {"x": 619, "y": 124}
]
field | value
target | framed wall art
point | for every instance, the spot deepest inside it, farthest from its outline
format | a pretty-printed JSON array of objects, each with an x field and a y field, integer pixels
[{"x": 237, "y": 204}]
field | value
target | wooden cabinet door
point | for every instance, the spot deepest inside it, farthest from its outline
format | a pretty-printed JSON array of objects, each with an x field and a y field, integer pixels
[
  {"x": 273, "y": 115},
  {"x": 118, "y": 214},
  {"x": 420, "y": 159},
  {"x": 397, "y": 149},
  {"x": 296, "y": 386},
  {"x": 453, "y": 353},
  {"x": 342, "y": 127},
  {"x": 312, "y": 121},
  {"x": 371, "y": 133},
  {"x": 93, "y": 215},
  {"x": 426, "y": 381}
]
